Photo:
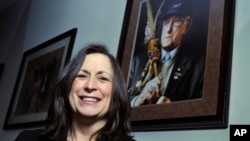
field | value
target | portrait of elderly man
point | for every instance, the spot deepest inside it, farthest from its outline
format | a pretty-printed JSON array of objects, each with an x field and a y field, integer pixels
[{"x": 167, "y": 72}]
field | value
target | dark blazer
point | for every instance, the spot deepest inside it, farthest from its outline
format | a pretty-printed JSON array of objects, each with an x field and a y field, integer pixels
[
  {"x": 186, "y": 79},
  {"x": 35, "y": 135}
]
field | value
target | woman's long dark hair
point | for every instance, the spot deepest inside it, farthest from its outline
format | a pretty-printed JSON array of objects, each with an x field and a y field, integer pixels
[{"x": 59, "y": 117}]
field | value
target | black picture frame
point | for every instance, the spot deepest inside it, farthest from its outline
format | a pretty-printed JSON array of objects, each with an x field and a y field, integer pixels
[
  {"x": 210, "y": 111},
  {"x": 1, "y": 69},
  {"x": 38, "y": 72}
]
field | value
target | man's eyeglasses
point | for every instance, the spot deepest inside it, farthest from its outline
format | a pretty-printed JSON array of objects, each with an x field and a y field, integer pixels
[{"x": 174, "y": 21}]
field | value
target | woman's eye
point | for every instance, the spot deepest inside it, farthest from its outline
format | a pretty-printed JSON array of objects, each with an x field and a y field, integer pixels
[
  {"x": 81, "y": 75},
  {"x": 103, "y": 78}
]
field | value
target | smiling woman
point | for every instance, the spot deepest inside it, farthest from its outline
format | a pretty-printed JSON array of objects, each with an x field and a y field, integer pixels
[
  {"x": 90, "y": 102},
  {"x": 92, "y": 88}
]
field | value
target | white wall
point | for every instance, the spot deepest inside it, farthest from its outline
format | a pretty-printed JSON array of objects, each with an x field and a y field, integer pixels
[{"x": 99, "y": 20}]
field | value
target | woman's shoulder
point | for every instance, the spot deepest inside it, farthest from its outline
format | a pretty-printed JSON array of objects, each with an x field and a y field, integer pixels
[{"x": 31, "y": 135}]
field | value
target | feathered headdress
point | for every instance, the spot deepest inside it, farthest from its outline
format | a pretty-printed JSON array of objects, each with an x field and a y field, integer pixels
[
  {"x": 151, "y": 22},
  {"x": 153, "y": 52}
]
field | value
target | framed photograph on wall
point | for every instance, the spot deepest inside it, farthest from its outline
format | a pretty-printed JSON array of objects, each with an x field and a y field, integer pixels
[
  {"x": 38, "y": 72},
  {"x": 195, "y": 91}
]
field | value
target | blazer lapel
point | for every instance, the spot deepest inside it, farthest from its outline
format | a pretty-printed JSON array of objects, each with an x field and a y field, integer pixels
[{"x": 178, "y": 73}]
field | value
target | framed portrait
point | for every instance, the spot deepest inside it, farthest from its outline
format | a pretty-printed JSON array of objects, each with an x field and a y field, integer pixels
[
  {"x": 38, "y": 72},
  {"x": 195, "y": 92}
]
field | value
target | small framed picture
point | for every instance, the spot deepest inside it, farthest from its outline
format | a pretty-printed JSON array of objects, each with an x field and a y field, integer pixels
[{"x": 38, "y": 72}]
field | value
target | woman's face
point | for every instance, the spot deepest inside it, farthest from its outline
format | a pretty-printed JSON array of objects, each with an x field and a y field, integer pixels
[{"x": 90, "y": 94}]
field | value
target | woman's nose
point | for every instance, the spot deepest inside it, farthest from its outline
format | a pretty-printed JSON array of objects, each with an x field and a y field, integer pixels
[{"x": 90, "y": 85}]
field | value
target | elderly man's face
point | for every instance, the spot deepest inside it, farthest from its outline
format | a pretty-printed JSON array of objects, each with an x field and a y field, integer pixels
[{"x": 173, "y": 29}]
